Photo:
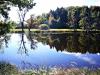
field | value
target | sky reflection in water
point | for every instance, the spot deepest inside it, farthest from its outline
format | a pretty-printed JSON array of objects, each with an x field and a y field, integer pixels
[{"x": 43, "y": 55}]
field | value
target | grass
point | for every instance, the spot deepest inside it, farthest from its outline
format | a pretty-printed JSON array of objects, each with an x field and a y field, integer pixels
[
  {"x": 8, "y": 69},
  {"x": 56, "y": 71},
  {"x": 50, "y": 30}
]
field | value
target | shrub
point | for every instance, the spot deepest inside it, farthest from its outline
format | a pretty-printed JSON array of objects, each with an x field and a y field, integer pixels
[
  {"x": 7, "y": 68},
  {"x": 44, "y": 27}
]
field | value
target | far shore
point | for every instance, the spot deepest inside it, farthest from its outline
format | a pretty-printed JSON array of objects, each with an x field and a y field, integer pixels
[{"x": 54, "y": 30}]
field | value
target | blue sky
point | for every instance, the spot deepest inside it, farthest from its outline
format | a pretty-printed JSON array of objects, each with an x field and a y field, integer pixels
[{"x": 44, "y": 6}]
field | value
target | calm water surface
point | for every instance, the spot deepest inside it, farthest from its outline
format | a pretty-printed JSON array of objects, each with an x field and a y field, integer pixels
[{"x": 65, "y": 50}]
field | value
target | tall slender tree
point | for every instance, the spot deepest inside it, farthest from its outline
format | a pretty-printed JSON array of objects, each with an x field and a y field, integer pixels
[{"x": 23, "y": 7}]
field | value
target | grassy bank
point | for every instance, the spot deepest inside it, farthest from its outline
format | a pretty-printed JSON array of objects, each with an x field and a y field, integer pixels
[
  {"x": 50, "y": 30},
  {"x": 9, "y": 69},
  {"x": 56, "y": 71},
  {"x": 72, "y": 71}
]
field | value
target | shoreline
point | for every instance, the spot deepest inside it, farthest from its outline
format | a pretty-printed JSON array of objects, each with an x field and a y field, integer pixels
[{"x": 56, "y": 30}]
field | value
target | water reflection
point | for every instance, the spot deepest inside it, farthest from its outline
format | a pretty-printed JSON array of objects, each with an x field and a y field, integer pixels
[
  {"x": 71, "y": 42},
  {"x": 23, "y": 48},
  {"x": 4, "y": 42},
  {"x": 32, "y": 41},
  {"x": 31, "y": 50}
]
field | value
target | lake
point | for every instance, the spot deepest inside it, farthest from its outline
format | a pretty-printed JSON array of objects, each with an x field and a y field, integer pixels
[{"x": 66, "y": 50}]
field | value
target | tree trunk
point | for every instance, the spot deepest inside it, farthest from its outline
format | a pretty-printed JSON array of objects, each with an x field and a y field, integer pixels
[{"x": 22, "y": 25}]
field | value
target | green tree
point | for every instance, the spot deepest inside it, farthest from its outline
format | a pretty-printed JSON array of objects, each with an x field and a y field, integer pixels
[
  {"x": 85, "y": 17},
  {"x": 4, "y": 8},
  {"x": 82, "y": 23},
  {"x": 58, "y": 18},
  {"x": 23, "y": 7},
  {"x": 95, "y": 16},
  {"x": 12, "y": 24},
  {"x": 74, "y": 17}
]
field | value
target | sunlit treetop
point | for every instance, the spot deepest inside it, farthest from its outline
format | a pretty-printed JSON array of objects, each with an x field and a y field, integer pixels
[{"x": 21, "y": 4}]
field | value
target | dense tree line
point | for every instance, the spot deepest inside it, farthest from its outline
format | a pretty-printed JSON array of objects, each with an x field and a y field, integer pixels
[
  {"x": 71, "y": 18},
  {"x": 75, "y": 17}
]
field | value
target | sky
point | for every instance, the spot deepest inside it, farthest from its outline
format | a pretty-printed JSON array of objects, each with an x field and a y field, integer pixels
[{"x": 44, "y": 6}]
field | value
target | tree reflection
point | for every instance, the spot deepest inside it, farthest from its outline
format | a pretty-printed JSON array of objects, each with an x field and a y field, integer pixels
[
  {"x": 32, "y": 41},
  {"x": 23, "y": 47},
  {"x": 26, "y": 65},
  {"x": 72, "y": 42},
  {"x": 4, "y": 42}
]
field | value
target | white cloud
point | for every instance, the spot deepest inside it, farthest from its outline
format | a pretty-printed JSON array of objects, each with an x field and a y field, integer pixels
[
  {"x": 86, "y": 58},
  {"x": 89, "y": 60}
]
